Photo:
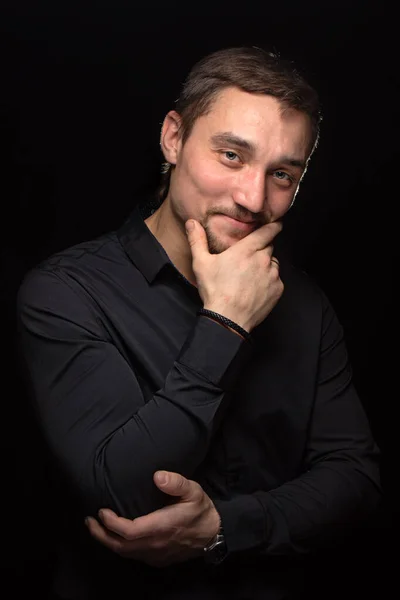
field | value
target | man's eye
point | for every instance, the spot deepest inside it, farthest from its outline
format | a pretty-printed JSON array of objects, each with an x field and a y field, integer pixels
[
  {"x": 282, "y": 175},
  {"x": 230, "y": 155}
]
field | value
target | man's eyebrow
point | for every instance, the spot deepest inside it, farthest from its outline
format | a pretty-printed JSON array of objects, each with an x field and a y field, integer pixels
[
  {"x": 230, "y": 139},
  {"x": 293, "y": 162}
]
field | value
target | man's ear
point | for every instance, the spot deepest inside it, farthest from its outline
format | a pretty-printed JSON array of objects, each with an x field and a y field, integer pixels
[{"x": 171, "y": 137}]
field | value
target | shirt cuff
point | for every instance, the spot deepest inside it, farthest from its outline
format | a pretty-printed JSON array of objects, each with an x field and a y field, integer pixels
[
  {"x": 243, "y": 521},
  {"x": 216, "y": 352}
]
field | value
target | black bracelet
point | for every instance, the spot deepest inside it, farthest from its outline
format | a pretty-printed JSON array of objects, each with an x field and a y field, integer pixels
[{"x": 225, "y": 321}]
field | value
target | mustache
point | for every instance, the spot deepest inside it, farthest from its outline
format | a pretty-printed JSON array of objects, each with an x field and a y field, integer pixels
[{"x": 259, "y": 220}]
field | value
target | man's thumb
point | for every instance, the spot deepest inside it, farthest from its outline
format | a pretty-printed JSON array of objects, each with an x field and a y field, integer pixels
[
  {"x": 196, "y": 236},
  {"x": 173, "y": 484}
]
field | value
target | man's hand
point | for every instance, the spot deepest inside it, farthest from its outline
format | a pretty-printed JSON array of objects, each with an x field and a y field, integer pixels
[
  {"x": 241, "y": 283},
  {"x": 169, "y": 535}
]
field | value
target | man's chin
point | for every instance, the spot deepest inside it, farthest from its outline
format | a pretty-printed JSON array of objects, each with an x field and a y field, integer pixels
[{"x": 220, "y": 243}]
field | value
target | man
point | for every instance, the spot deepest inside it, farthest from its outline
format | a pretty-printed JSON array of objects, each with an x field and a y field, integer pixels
[{"x": 191, "y": 384}]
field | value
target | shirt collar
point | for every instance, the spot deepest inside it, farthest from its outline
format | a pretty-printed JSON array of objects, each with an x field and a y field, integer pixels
[{"x": 139, "y": 243}]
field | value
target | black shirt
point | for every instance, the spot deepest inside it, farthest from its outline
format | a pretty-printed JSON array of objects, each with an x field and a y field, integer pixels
[{"x": 127, "y": 379}]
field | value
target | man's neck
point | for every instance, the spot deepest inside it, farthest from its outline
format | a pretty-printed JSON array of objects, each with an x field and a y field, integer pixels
[{"x": 170, "y": 233}]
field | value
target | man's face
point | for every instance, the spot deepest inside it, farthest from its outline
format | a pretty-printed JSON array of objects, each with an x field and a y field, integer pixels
[{"x": 240, "y": 166}]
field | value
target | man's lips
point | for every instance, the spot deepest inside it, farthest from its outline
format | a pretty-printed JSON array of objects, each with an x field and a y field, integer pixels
[{"x": 245, "y": 225}]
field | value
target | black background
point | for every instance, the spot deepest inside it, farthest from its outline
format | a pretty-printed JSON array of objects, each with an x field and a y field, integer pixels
[{"x": 84, "y": 89}]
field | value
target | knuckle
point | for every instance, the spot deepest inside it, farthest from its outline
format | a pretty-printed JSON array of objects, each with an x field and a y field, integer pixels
[
  {"x": 265, "y": 260},
  {"x": 274, "y": 271},
  {"x": 181, "y": 482},
  {"x": 198, "y": 492},
  {"x": 119, "y": 547}
]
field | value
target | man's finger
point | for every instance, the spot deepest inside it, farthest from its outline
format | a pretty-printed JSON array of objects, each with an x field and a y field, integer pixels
[
  {"x": 175, "y": 484},
  {"x": 119, "y": 525},
  {"x": 196, "y": 237},
  {"x": 260, "y": 238},
  {"x": 107, "y": 538},
  {"x": 275, "y": 262},
  {"x": 153, "y": 525}
]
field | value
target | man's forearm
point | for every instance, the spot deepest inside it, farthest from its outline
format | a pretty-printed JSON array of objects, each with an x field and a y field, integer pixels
[{"x": 300, "y": 515}]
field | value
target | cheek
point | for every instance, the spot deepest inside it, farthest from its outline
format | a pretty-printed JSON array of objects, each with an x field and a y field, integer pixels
[
  {"x": 209, "y": 178},
  {"x": 279, "y": 200}
]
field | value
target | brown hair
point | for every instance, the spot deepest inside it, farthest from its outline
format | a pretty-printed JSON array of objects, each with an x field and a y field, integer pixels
[{"x": 252, "y": 70}]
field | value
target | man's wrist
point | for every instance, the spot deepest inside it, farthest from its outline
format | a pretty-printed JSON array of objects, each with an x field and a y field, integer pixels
[
  {"x": 231, "y": 315},
  {"x": 227, "y": 326},
  {"x": 225, "y": 322},
  {"x": 215, "y": 551}
]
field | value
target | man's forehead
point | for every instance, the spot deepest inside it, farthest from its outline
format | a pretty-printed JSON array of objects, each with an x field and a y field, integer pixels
[
  {"x": 251, "y": 134},
  {"x": 235, "y": 109},
  {"x": 229, "y": 99}
]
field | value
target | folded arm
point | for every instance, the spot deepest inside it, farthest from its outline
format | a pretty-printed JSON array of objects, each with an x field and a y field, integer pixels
[
  {"x": 338, "y": 488},
  {"x": 106, "y": 437}
]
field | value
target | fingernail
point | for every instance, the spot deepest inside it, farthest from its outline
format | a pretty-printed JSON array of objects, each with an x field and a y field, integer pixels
[
  {"x": 87, "y": 521},
  {"x": 189, "y": 226},
  {"x": 162, "y": 477}
]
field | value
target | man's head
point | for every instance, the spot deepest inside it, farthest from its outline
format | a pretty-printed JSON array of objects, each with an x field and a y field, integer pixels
[{"x": 238, "y": 143}]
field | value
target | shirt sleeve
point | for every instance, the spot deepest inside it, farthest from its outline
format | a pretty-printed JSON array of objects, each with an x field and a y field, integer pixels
[
  {"x": 106, "y": 439},
  {"x": 340, "y": 484}
]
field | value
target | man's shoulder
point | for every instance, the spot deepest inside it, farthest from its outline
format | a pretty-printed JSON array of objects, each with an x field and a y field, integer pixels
[
  {"x": 83, "y": 259},
  {"x": 74, "y": 266},
  {"x": 83, "y": 253}
]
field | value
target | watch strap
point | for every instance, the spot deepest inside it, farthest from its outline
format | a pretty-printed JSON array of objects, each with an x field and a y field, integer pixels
[{"x": 215, "y": 551}]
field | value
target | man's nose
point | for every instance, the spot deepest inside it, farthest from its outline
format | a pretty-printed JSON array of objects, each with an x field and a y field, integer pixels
[{"x": 252, "y": 192}]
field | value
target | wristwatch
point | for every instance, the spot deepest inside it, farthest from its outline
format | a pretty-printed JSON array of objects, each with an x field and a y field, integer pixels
[{"x": 216, "y": 551}]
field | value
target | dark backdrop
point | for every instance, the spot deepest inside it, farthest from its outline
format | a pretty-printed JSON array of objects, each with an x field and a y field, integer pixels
[{"x": 84, "y": 89}]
